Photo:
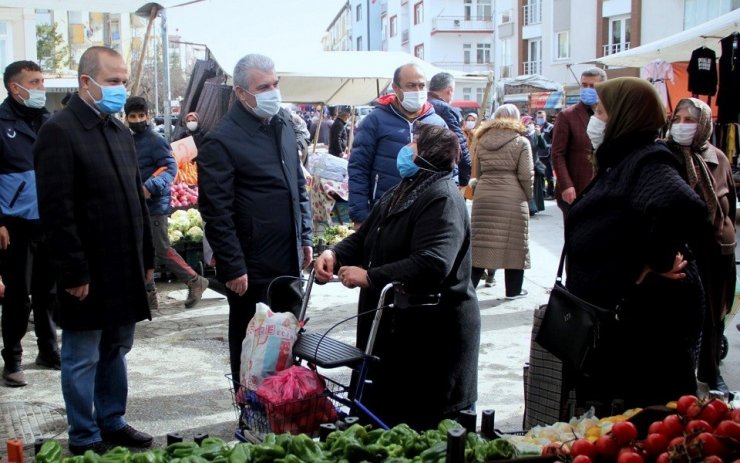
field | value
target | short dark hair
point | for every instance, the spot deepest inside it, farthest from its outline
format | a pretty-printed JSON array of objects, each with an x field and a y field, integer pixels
[
  {"x": 90, "y": 60},
  {"x": 13, "y": 70},
  {"x": 441, "y": 81},
  {"x": 439, "y": 146},
  {"x": 136, "y": 104}
]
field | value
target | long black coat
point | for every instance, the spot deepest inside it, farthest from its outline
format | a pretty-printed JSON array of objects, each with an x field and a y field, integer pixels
[
  {"x": 429, "y": 355},
  {"x": 253, "y": 197},
  {"x": 92, "y": 207},
  {"x": 638, "y": 211}
]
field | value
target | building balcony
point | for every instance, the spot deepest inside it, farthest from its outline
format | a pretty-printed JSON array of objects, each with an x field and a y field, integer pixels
[
  {"x": 383, "y": 8},
  {"x": 462, "y": 24},
  {"x": 404, "y": 37},
  {"x": 532, "y": 67},
  {"x": 532, "y": 12},
  {"x": 464, "y": 67},
  {"x": 611, "y": 48}
]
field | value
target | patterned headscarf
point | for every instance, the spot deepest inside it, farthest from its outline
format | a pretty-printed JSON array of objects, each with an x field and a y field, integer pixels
[{"x": 697, "y": 172}]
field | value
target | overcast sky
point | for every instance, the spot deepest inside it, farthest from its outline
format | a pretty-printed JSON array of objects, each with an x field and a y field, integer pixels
[{"x": 256, "y": 26}]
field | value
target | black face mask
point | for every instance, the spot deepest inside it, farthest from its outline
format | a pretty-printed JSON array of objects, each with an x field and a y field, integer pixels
[{"x": 139, "y": 127}]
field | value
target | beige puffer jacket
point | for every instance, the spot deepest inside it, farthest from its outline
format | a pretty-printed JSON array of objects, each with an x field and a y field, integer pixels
[{"x": 500, "y": 217}]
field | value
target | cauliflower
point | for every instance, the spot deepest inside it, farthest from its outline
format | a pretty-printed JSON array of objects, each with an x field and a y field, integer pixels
[
  {"x": 174, "y": 236},
  {"x": 195, "y": 218},
  {"x": 195, "y": 233}
]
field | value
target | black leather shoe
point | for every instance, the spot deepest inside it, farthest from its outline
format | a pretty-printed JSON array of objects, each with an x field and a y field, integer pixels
[
  {"x": 98, "y": 447},
  {"x": 127, "y": 436},
  {"x": 50, "y": 360}
]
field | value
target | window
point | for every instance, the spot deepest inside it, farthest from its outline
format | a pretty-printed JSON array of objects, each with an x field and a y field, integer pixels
[
  {"x": 6, "y": 45},
  {"x": 394, "y": 26},
  {"x": 419, "y": 13},
  {"x": 481, "y": 8},
  {"x": 619, "y": 35},
  {"x": 358, "y": 12},
  {"x": 532, "y": 11},
  {"x": 468, "y": 8},
  {"x": 467, "y": 93},
  {"x": 483, "y": 53},
  {"x": 419, "y": 51},
  {"x": 467, "y": 50},
  {"x": 562, "y": 42},
  {"x": 484, "y": 10},
  {"x": 533, "y": 63},
  {"x": 359, "y": 44},
  {"x": 696, "y": 12},
  {"x": 479, "y": 95},
  {"x": 505, "y": 17},
  {"x": 44, "y": 17}
]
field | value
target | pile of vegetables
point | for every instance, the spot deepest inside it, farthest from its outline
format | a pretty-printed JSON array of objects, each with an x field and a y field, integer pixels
[
  {"x": 183, "y": 195},
  {"x": 332, "y": 235},
  {"x": 355, "y": 444},
  {"x": 187, "y": 173},
  {"x": 185, "y": 225}
]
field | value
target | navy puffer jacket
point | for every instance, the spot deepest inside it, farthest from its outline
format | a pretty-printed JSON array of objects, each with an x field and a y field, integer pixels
[{"x": 154, "y": 152}]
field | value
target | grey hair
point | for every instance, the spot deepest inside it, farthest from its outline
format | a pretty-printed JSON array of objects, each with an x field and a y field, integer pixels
[
  {"x": 595, "y": 72},
  {"x": 441, "y": 81},
  {"x": 507, "y": 111},
  {"x": 246, "y": 64}
]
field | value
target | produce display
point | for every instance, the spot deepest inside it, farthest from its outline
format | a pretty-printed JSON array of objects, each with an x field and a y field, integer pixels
[
  {"x": 185, "y": 225},
  {"x": 183, "y": 195},
  {"x": 333, "y": 234},
  {"x": 187, "y": 173}
]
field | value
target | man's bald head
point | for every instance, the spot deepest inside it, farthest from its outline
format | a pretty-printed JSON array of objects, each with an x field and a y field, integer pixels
[
  {"x": 407, "y": 71},
  {"x": 90, "y": 60}
]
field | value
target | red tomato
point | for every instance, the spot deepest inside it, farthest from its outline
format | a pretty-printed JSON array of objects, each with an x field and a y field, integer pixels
[
  {"x": 664, "y": 457},
  {"x": 709, "y": 414},
  {"x": 698, "y": 426},
  {"x": 655, "y": 444},
  {"x": 676, "y": 442},
  {"x": 657, "y": 427},
  {"x": 721, "y": 407},
  {"x": 709, "y": 444},
  {"x": 606, "y": 447},
  {"x": 673, "y": 426},
  {"x": 582, "y": 459},
  {"x": 728, "y": 428},
  {"x": 624, "y": 432},
  {"x": 630, "y": 457},
  {"x": 693, "y": 411},
  {"x": 683, "y": 404},
  {"x": 713, "y": 459},
  {"x": 552, "y": 449},
  {"x": 735, "y": 415},
  {"x": 583, "y": 447}
]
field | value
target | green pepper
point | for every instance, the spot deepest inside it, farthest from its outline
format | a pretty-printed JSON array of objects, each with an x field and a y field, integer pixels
[
  {"x": 141, "y": 457},
  {"x": 193, "y": 459},
  {"x": 305, "y": 448},
  {"x": 264, "y": 453},
  {"x": 50, "y": 452},
  {"x": 374, "y": 435},
  {"x": 90, "y": 457},
  {"x": 283, "y": 440},
  {"x": 435, "y": 454},
  {"x": 241, "y": 453},
  {"x": 74, "y": 459},
  {"x": 117, "y": 455},
  {"x": 221, "y": 459},
  {"x": 182, "y": 449},
  {"x": 447, "y": 424},
  {"x": 289, "y": 459},
  {"x": 499, "y": 449}
]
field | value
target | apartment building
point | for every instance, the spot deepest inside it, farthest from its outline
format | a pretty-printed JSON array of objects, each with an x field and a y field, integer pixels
[{"x": 338, "y": 35}]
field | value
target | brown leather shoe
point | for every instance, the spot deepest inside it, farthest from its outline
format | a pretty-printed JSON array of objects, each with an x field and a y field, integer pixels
[{"x": 14, "y": 378}]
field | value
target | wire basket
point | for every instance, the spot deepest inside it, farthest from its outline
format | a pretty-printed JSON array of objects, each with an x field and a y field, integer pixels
[{"x": 302, "y": 416}]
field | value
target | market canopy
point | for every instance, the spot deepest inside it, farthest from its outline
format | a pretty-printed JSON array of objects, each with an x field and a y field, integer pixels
[
  {"x": 677, "y": 47},
  {"x": 334, "y": 77}
]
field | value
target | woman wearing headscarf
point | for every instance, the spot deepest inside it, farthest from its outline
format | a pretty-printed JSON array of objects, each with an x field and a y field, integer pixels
[
  {"x": 193, "y": 128},
  {"x": 626, "y": 241},
  {"x": 707, "y": 170},
  {"x": 537, "y": 142},
  {"x": 468, "y": 127},
  {"x": 418, "y": 234},
  {"x": 500, "y": 215}
]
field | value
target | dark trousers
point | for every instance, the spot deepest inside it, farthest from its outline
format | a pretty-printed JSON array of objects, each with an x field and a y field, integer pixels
[
  {"x": 241, "y": 311},
  {"x": 27, "y": 272},
  {"x": 549, "y": 176},
  {"x": 513, "y": 279},
  {"x": 166, "y": 254}
]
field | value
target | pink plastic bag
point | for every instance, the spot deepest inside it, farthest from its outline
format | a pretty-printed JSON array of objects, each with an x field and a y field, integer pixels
[{"x": 295, "y": 401}]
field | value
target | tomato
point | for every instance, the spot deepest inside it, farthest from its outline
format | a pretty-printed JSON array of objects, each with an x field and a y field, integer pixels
[
  {"x": 664, "y": 457},
  {"x": 721, "y": 407},
  {"x": 735, "y": 415},
  {"x": 710, "y": 414},
  {"x": 709, "y": 444},
  {"x": 676, "y": 442},
  {"x": 673, "y": 426},
  {"x": 657, "y": 427},
  {"x": 713, "y": 459},
  {"x": 683, "y": 404},
  {"x": 583, "y": 447},
  {"x": 655, "y": 444},
  {"x": 606, "y": 447},
  {"x": 729, "y": 429},
  {"x": 630, "y": 457},
  {"x": 697, "y": 426},
  {"x": 582, "y": 459},
  {"x": 553, "y": 448},
  {"x": 693, "y": 411},
  {"x": 624, "y": 432}
]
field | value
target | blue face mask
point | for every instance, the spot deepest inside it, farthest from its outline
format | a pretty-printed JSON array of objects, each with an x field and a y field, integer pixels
[
  {"x": 405, "y": 162},
  {"x": 589, "y": 96},
  {"x": 113, "y": 98},
  {"x": 540, "y": 121}
]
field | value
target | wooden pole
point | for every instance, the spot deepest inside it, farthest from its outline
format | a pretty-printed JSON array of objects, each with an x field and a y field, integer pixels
[
  {"x": 351, "y": 137},
  {"x": 486, "y": 95},
  {"x": 318, "y": 129},
  {"x": 140, "y": 67}
]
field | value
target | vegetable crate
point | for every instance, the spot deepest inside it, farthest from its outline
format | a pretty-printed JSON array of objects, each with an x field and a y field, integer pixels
[{"x": 257, "y": 417}]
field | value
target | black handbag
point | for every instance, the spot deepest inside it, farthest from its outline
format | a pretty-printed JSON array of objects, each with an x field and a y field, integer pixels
[{"x": 570, "y": 327}]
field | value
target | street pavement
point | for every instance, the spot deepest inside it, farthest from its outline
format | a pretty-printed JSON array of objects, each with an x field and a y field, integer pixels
[{"x": 179, "y": 359}]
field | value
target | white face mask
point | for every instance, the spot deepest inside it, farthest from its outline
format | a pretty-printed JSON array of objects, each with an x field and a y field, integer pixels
[
  {"x": 595, "y": 131},
  {"x": 36, "y": 98},
  {"x": 267, "y": 103},
  {"x": 413, "y": 101},
  {"x": 683, "y": 134},
  {"x": 470, "y": 125},
  {"x": 192, "y": 125}
]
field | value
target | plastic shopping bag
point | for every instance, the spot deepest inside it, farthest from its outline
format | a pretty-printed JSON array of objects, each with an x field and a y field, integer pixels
[{"x": 268, "y": 345}]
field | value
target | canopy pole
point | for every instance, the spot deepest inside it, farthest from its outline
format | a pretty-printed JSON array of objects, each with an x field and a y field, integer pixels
[
  {"x": 140, "y": 66},
  {"x": 351, "y": 137},
  {"x": 486, "y": 96},
  {"x": 318, "y": 128}
]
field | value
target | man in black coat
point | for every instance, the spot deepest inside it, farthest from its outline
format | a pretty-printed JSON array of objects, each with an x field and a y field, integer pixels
[
  {"x": 92, "y": 206},
  {"x": 338, "y": 135},
  {"x": 27, "y": 269},
  {"x": 441, "y": 89},
  {"x": 252, "y": 196}
]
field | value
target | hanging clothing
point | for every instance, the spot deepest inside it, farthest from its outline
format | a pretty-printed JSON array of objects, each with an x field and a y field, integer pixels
[
  {"x": 657, "y": 72},
  {"x": 703, "y": 72},
  {"x": 728, "y": 98}
]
